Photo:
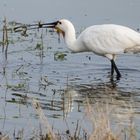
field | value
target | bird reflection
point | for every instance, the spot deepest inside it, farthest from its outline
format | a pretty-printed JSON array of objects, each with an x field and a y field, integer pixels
[
  {"x": 68, "y": 101},
  {"x": 104, "y": 92},
  {"x": 77, "y": 95}
]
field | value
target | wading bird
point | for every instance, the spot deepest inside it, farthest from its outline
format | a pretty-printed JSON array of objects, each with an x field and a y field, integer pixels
[{"x": 107, "y": 40}]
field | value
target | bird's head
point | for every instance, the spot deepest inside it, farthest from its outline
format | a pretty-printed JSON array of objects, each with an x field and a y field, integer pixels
[{"x": 61, "y": 26}]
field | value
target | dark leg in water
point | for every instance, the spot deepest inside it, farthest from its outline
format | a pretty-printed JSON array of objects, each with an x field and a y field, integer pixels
[{"x": 114, "y": 67}]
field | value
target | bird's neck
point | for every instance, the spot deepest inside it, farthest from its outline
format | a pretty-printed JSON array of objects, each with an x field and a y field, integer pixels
[{"x": 70, "y": 39}]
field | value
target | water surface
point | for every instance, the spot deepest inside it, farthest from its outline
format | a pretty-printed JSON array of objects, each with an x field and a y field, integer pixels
[{"x": 63, "y": 84}]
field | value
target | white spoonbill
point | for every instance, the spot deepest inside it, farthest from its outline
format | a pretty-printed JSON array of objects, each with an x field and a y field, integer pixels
[{"x": 106, "y": 40}]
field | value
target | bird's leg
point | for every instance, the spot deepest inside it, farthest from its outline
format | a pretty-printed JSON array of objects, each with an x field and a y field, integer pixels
[
  {"x": 116, "y": 69},
  {"x": 112, "y": 68}
]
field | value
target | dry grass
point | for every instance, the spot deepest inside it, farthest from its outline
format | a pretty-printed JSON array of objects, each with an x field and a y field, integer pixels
[
  {"x": 111, "y": 122},
  {"x": 47, "y": 127},
  {"x": 101, "y": 117},
  {"x": 4, "y": 136}
]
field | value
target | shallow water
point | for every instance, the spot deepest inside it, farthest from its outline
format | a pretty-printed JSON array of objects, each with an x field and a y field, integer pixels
[{"x": 64, "y": 84}]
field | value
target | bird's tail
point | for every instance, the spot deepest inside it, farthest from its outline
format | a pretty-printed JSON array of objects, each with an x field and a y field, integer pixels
[{"x": 135, "y": 49}]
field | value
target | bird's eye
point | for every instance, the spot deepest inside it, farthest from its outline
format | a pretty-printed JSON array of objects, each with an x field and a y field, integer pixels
[{"x": 60, "y": 22}]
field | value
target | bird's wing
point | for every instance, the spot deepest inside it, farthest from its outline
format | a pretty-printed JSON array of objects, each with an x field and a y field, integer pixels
[{"x": 109, "y": 39}]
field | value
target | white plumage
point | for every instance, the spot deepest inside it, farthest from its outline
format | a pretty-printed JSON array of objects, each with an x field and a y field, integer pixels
[
  {"x": 106, "y": 40},
  {"x": 110, "y": 39}
]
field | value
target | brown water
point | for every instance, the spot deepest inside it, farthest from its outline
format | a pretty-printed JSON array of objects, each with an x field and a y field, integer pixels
[{"x": 60, "y": 80}]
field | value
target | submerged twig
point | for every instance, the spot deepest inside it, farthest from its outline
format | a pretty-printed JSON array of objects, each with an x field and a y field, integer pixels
[
  {"x": 24, "y": 27},
  {"x": 5, "y": 41}
]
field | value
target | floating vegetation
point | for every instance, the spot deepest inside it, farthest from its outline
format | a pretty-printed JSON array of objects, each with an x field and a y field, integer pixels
[
  {"x": 20, "y": 99},
  {"x": 60, "y": 56},
  {"x": 39, "y": 46},
  {"x": 20, "y": 86}
]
